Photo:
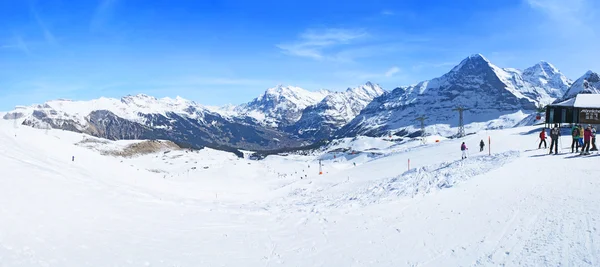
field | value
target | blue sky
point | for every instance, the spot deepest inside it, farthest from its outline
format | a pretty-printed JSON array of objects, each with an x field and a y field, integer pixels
[{"x": 218, "y": 52}]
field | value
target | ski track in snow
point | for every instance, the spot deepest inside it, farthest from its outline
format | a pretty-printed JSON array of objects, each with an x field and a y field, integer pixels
[{"x": 513, "y": 208}]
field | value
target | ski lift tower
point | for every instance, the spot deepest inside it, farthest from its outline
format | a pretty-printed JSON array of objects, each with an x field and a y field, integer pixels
[
  {"x": 422, "y": 120},
  {"x": 461, "y": 121},
  {"x": 16, "y": 124}
]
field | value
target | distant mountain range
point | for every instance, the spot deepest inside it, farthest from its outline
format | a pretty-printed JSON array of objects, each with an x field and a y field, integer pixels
[
  {"x": 287, "y": 116},
  {"x": 485, "y": 90}
]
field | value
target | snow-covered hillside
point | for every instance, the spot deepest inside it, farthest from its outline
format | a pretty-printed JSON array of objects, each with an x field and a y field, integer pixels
[
  {"x": 210, "y": 208},
  {"x": 281, "y": 106},
  {"x": 487, "y": 91},
  {"x": 334, "y": 111},
  {"x": 146, "y": 117}
]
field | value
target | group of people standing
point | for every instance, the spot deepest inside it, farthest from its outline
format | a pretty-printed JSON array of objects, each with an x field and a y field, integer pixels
[{"x": 583, "y": 138}]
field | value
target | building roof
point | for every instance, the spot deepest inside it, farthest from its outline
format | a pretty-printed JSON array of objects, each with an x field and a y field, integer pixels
[
  {"x": 581, "y": 101},
  {"x": 587, "y": 101},
  {"x": 566, "y": 103}
]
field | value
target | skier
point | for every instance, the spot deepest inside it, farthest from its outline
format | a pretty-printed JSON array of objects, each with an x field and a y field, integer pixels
[
  {"x": 554, "y": 136},
  {"x": 543, "y": 139},
  {"x": 464, "y": 149},
  {"x": 73, "y": 158},
  {"x": 587, "y": 136},
  {"x": 594, "y": 148},
  {"x": 575, "y": 135},
  {"x": 481, "y": 145}
]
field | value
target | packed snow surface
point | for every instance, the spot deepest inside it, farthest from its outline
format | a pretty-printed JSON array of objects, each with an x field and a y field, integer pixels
[{"x": 515, "y": 206}]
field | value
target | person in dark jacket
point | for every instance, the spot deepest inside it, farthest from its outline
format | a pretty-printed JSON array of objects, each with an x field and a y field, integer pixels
[
  {"x": 481, "y": 145},
  {"x": 554, "y": 136},
  {"x": 464, "y": 149},
  {"x": 594, "y": 148},
  {"x": 543, "y": 139},
  {"x": 575, "y": 134}
]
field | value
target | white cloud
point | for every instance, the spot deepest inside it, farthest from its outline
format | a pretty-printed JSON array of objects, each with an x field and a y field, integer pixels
[
  {"x": 361, "y": 76},
  {"x": 313, "y": 43},
  {"x": 331, "y": 36},
  {"x": 387, "y": 13},
  {"x": 392, "y": 71}
]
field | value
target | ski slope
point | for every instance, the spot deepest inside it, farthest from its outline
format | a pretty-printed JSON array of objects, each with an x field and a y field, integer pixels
[{"x": 517, "y": 207}]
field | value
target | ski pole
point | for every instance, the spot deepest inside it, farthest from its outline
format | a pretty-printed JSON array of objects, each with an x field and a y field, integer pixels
[{"x": 560, "y": 141}]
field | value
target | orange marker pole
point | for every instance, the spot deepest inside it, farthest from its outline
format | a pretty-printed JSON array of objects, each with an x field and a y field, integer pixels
[
  {"x": 409, "y": 164},
  {"x": 320, "y": 168}
]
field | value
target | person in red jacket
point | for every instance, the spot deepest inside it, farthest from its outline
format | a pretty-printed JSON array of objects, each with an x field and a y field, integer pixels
[
  {"x": 587, "y": 137},
  {"x": 543, "y": 139}
]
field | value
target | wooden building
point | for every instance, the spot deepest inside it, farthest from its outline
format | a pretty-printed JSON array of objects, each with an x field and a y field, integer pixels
[{"x": 582, "y": 109}]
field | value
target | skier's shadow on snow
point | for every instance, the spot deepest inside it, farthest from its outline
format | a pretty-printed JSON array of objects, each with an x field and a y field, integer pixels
[
  {"x": 582, "y": 156},
  {"x": 547, "y": 155}
]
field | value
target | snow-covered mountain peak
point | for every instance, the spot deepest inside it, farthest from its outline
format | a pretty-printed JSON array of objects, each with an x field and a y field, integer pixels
[
  {"x": 334, "y": 111},
  {"x": 149, "y": 104},
  {"x": 543, "y": 69},
  {"x": 472, "y": 70},
  {"x": 139, "y": 98},
  {"x": 547, "y": 67},
  {"x": 278, "y": 89},
  {"x": 293, "y": 93},
  {"x": 589, "y": 83},
  {"x": 368, "y": 89},
  {"x": 591, "y": 74},
  {"x": 473, "y": 61},
  {"x": 281, "y": 105},
  {"x": 545, "y": 78},
  {"x": 477, "y": 57}
]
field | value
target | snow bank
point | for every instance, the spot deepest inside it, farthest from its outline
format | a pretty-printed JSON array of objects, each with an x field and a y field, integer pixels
[{"x": 428, "y": 179}]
